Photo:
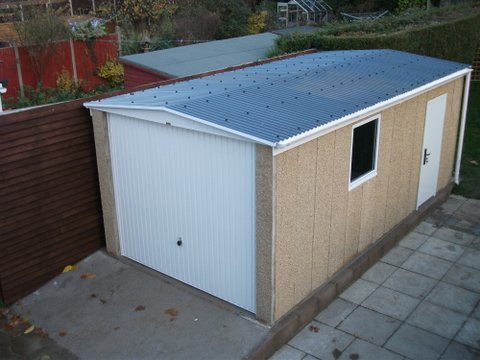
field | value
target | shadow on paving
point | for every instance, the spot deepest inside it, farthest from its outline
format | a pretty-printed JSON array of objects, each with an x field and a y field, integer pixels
[{"x": 110, "y": 309}]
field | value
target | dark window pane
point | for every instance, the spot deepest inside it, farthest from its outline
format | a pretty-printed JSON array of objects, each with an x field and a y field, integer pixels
[{"x": 363, "y": 150}]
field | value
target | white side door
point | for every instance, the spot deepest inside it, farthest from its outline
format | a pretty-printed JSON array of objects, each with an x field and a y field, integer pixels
[
  {"x": 186, "y": 205},
  {"x": 432, "y": 148}
]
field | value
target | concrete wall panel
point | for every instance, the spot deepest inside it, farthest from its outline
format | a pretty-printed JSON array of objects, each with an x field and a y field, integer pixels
[
  {"x": 323, "y": 208},
  {"x": 354, "y": 219},
  {"x": 381, "y": 182},
  {"x": 450, "y": 133},
  {"x": 338, "y": 228}
]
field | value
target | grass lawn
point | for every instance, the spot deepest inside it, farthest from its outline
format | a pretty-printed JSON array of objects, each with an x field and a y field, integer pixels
[{"x": 470, "y": 167}]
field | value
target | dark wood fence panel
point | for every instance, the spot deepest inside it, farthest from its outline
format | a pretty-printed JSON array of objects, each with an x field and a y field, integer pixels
[{"x": 50, "y": 211}]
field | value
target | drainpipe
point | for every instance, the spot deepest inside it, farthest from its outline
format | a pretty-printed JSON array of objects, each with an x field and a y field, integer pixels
[
  {"x": 2, "y": 91},
  {"x": 462, "y": 128}
]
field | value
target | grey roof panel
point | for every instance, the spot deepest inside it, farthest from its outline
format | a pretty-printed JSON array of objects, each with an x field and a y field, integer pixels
[
  {"x": 281, "y": 99},
  {"x": 206, "y": 56}
]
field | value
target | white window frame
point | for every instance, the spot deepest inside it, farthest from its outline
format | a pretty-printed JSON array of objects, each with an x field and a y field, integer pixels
[{"x": 372, "y": 173}]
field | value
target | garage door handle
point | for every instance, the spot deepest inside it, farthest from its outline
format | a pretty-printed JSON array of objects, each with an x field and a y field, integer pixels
[{"x": 179, "y": 242}]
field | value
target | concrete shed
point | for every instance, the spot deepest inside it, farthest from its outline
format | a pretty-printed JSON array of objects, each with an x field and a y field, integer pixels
[
  {"x": 195, "y": 58},
  {"x": 259, "y": 185}
]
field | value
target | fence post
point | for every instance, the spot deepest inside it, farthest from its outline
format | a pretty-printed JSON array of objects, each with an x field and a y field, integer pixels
[
  {"x": 19, "y": 69},
  {"x": 119, "y": 40},
  {"x": 74, "y": 60}
]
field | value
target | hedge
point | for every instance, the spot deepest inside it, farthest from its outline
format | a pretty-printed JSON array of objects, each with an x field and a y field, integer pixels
[{"x": 454, "y": 40}]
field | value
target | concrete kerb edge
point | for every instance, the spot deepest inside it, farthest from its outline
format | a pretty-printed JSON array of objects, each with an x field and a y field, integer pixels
[{"x": 303, "y": 313}]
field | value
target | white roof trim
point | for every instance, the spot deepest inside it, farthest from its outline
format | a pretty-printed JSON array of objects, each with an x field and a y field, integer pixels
[
  {"x": 300, "y": 139},
  {"x": 112, "y": 108}
]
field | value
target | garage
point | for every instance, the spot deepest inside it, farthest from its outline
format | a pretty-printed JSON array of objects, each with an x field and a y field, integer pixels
[{"x": 260, "y": 185}]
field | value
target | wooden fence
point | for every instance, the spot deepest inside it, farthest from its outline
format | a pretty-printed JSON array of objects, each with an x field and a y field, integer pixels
[
  {"x": 49, "y": 196},
  {"x": 74, "y": 57}
]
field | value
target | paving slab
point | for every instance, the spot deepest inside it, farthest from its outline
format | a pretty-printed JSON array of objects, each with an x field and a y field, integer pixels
[
  {"x": 452, "y": 204},
  {"x": 428, "y": 265},
  {"x": 436, "y": 319},
  {"x": 358, "y": 291},
  {"x": 336, "y": 312},
  {"x": 463, "y": 276},
  {"x": 322, "y": 341},
  {"x": 369, "y": 325},
  {"x": 426, "y": 228},
  {"x": 416, "y": 343},
  {"x": 125, "y": 312},
  {"x": 379, "y": 272},
  {"x": 470, "y": 258},
  {"x": 397, "y": 256},
  {"x": 410, "y": 283},
  {"x": 457, "y": 351},
  {"x": 413, "y": 240},
  {"x": 288, "y": 353},
  {"x": 363, "y": 350},
  {"x": 454, "y": 236},
  {"x": 442, "y": 249},
  {"x": 391, "y": 303},
  {"x": 453, "y": 297},
  {"x": 470, "y": 334}
]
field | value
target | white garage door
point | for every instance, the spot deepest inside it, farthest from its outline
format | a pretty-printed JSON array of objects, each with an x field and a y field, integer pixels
[{"x": 186, "y": 205}]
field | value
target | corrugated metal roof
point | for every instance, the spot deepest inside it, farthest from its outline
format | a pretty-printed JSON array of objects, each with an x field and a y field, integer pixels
[
  {"x": 282, "y": 99},
  {"x": 203, "y": 57}
]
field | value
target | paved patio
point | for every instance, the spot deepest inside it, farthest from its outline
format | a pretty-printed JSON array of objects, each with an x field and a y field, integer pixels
[{"x": 420, "y": 302}]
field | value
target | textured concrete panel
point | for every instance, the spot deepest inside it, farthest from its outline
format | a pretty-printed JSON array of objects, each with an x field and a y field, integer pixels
[
  {"x": 367, "y": 220},
  {"x": 264, "y": 232},
  {"x": 354, "y": 218},
  {"x": 102, "y": 148},
  {"x": 339, "y": 199},
  {"x": 323, "y": 208},
  {"x": 381, "y": 181},
  {"x": 396, "y": 178},
  {"x": 421, "y": 108},
  {"x": 304, "y": 222},
  {"x": 450, "y": 134},
  {"x": 285, "y": 253}
]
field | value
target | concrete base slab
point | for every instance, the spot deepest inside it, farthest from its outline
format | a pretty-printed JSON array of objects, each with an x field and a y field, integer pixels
[{"x": 120, "y": 311}]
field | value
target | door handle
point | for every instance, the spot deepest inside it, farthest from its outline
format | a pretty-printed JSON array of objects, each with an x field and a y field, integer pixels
[{"x": 425, "y": 156}]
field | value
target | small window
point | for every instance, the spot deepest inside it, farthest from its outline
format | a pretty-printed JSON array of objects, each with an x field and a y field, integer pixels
[{"x": 364, "y": 151}]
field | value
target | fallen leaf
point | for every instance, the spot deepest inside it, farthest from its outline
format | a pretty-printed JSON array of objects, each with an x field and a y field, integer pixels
[
  {"x": 140, "y": 308},
  {"x": 116, "y": 328},
  {"x": 62, "y": 333},
  {"x": 103, "y": 301},
  {"x": 88, "y": 275},
  {"x": 29, "y": 329},
  {"x": 45, "y": 357},
  {"x": 93, "y": 296},
  {"x": 474, "y": 162},
  {"x": 69, "y": 268},
  {"x": 40, "y": 332},
  {"x": 171, "y": 312},
  {"x": 313, "y": 328}
]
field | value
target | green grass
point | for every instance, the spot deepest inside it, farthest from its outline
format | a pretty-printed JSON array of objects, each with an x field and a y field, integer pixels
[{"x": 470, "y": 168}]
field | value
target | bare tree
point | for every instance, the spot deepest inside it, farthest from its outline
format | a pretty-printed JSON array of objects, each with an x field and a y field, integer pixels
[{"x": 39, "y": 32}]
